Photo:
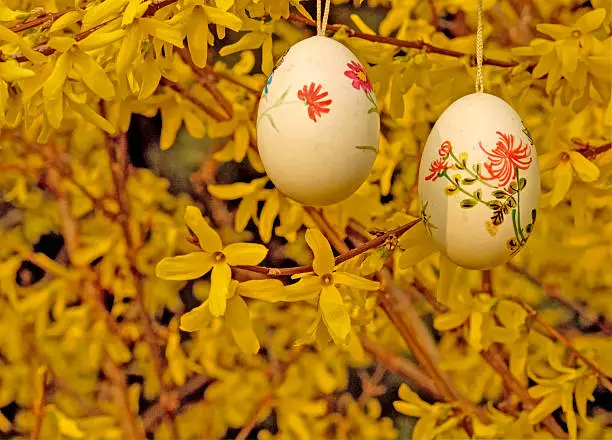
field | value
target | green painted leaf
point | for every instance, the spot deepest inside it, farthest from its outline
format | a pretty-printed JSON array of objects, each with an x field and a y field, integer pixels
[
  {"x": 478, "y": 194},
  {"x": 521, "y": 184},
  {"x": 497, "y": 218},
  {"x": 533, "y": 215},
  {"x": 476, "y": 168},
  {"x": 373, "y": 110},
  {"x": 366, "y": 147},
  {"x": 494, "y": 204},
  {"x": 468, "y": 203},
  {"x": 469, "y": 180},
  {"x": 273, "y": 124},
  {"x": 283, "y": 96},
  {"x": 499, "y": 194},
  {"x": 450, "y": 190}
]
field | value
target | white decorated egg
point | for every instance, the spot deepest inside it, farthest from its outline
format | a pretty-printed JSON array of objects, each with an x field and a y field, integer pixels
[
  {"x": 318, "y": 123},
  {"x": 479, "y": 182}
]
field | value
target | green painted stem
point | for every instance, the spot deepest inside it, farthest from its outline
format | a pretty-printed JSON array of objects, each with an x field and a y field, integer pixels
[
  {"x": 470, "y": 172},
  {"x": 518, "y": 207},
  {"x": 472, "y": 196}
]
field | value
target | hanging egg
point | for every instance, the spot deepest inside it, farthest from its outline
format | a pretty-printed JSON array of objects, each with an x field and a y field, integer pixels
[
  {"x": 318, "y": 123},
  {"x": 479, "y": 182}
]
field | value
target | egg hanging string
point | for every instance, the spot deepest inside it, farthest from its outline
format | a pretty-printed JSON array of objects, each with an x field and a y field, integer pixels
[
  {"x": 322, "y": 21},
  {"x": 479, "y": 51}
]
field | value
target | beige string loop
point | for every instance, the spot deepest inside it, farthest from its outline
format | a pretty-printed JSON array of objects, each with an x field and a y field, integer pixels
[
  {"x": 479, "y": 51},
  {"x": 322, "y": 21}
]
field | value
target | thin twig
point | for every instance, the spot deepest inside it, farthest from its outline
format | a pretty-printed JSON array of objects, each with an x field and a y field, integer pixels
[
  {"x": 117, "y": 150},
  {"x": 554, "y": 292},
  {"x": 133, "y": 428},
  {"x": 420, "y": 45},
  {"x": 372, "y": 244},
  {"x": 493, "y": 357},
  {"x": 39, "y": 408},
  {"x": 45, "y": 19},
  {"x": 559, "y": 337},
  {"x": 196, "y": 101},
  {"x": 589, "y": 151},
  {"x": 400, "y": 365},
  {"x": 248, "y": 426},
  {"x": 434, "y": 13}
]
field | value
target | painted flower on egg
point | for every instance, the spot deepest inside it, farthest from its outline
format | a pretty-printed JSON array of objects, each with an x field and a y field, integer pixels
[
  {"x": 505, "y": 160},
  {"x": 359, "y": 76},
  {"x": 503, "y": 163},
  {"x": 312, "y": 97}
]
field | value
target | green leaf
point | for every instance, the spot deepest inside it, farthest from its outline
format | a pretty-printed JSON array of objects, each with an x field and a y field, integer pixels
[
  {"x": 499, "y": 194},
  {"x": 283, "y": 96},
  {"x": 469, "y": 180},
  {"x": 450, "y": 190},
  {"x": 468, "y": 203},
  {"x": 476, "y": 168},
  {"x": 478, "y": 194}
]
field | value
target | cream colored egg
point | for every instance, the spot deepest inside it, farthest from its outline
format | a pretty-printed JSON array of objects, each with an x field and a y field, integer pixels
[
  {"x": 318, "y": 123},
  {"x": 479, "y": 182}
]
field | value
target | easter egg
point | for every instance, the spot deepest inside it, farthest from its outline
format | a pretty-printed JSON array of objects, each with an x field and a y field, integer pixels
[
  {"x": 479, "y": 182},
  {"x": 318, "y": 123}
]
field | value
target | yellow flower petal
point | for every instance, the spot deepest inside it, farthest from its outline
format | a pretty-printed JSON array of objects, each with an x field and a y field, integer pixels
[
  {"x": 351, "y": 280},
  {"x": 223, "y": 18},
  {"x": 245, "y": 253},
  {"x": 207, "y": 237},
  {"x": 334, "y": 314},
  {"x": 562, "y": 176},
  {"x": 268, "y": 215},
  {"x": 546, "y": 407},
  {"x": 54, "y": 84},
  {"x": 267, "y": 290},
  {"x": 184, "y": 267},
  {"x": 586, "y": 170},
  {"x": 197, "y": 36},
  {"x": 557, "y": 31},
  {"x": 236, "y": 190},
  {"x": 590, "y": 21},
  {"x": 93, "y": 75},
  {"x": 249, "y": 41},
  {"x": 307, "y": 288},
  {"x": 219, "y": 288},
  {"x": 323, "y": 261},
  {"x": 196, "y": 318},
  {"x": 239, "y": 321}
]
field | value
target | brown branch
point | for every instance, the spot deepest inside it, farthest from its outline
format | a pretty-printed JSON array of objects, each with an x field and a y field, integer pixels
[
  {"x": 117, "y": 150},
  {"x": 209, "y": 111},
  {"x": 335, "y": 240},
  {"x": 155, "y": 413},
  {"x": 45, "y": 19},
  {"x": 262, "y": 406},
  {"x": 589, "y": 151},
  {"x": 400, "y": 365},
  {"x": 553, "y": 292},
  {"x": 603, "y": 379},
  {"x": 131, "y": 426},
  {"x": 38, "y": 410},
  {"x": 372, "y": 244},
  {"x": 493, "y": 357},
  {"x": 420, "y": 45},
  {"x": 205, "y": 80},
  {"x": 228, "y": 78},
  {"x": 434, "y": 13},
  {"x": 46, "y": 50}
]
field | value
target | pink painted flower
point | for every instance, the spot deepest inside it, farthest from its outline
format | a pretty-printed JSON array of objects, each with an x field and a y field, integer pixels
[
  {"x": 505, "y": 159},
  {"x": 436, "y": 167},
  {"x": 359, "y": 76},
  {"x": 444, "y": 148},
  {"x": 313, "y": 99}
]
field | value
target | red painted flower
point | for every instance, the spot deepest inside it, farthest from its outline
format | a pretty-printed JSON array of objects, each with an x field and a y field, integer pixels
[
  {"x": 359, "y": 77},
  {"x": 505, "y": 158},
  {"x": 436, "y": 167},
  {"x": 312, "y": 96},
  {"x": 444, "y": 148}
]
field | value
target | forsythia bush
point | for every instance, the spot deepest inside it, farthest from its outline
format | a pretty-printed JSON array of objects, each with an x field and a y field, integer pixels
[{"x": 128, "y": 311}]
